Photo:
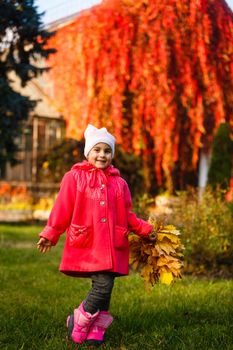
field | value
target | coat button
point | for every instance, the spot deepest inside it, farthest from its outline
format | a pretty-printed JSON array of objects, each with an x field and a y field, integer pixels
[
  {"x": 102, "y": 185},
  {"x": 103, "y": 220},
  {"x": 102, "y": 203}
]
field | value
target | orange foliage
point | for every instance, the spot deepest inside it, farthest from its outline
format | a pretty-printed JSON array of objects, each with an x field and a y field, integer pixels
[
  {"x": 12, "y": 193},
  {"x": 158, "y": 74}
]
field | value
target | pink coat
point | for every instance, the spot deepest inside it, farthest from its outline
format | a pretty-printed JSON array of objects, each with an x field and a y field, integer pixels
[{"x": 94, "y": 208}]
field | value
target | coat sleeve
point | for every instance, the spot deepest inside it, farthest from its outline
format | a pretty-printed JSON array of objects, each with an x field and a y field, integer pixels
[
  {"x": 61, "y": 214},
  {"x": 136, "y": 225}
]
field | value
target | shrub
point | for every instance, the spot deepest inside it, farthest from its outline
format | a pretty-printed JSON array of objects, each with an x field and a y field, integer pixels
[
  {"x": 207, "y": 231},
  {"x": 130, "y": 167},
  {"x": 59, "y": 159},
  {"x": 220, "y": 166}
]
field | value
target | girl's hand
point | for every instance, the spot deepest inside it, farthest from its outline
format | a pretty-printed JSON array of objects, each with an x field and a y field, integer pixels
[
  {"x": 152, "y": 236},
  {"x": 44, "y": 245}
]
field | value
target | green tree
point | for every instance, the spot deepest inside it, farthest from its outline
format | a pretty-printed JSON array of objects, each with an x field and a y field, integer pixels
[
  {"x": 22, "y": 43},
  {"x": 221, "y": 161}
]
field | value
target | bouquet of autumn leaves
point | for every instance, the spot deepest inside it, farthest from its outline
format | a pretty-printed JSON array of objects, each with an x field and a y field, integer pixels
[{"x": 159, "y": 260}]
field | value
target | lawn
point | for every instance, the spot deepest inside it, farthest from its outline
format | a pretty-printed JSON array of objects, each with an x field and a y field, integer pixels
[{"x": 36, "y": 299}]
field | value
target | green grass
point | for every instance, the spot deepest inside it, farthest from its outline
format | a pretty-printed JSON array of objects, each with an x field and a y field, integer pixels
[{"x": 36, "y": 299}]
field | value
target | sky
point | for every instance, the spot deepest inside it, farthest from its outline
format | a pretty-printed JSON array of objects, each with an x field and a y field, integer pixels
[{"x": 56, "y": 9}]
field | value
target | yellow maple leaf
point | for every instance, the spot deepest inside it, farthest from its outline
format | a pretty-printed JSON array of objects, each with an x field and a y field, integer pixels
[
  {"x": 167, "y": 248},
  {"x": 134, "y": 262},
  {"x": 168, "y": 236},
  {"x": 166, "y": 277},
  {"x": 175, "y": 272},
  {"x": 147, "y": 269},
  {"x": 156, "y": 251},
  {"x": 170, "y": 229},
  {"x": 162, "y": 261},
  {"x": 174, "y": 265}
]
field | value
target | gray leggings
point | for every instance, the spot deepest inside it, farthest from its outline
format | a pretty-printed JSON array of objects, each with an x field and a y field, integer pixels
[{"x": 99, "y": 296}]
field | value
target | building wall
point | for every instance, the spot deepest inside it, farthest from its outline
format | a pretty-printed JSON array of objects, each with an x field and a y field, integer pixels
[
  {"x": 44, "y": 128},
  {"x": 38, "y": 136}
]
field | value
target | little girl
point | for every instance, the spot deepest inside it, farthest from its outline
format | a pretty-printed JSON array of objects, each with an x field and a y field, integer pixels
[{"x": 94, "y": 208}]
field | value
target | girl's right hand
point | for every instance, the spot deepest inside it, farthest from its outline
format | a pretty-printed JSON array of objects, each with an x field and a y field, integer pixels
[
  {"x": 152, "y": 236},
  {"x": 44, "y": 245}
]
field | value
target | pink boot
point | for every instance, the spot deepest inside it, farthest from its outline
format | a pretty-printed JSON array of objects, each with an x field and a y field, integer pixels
[
  {"x": 80, "y": 323},
  {"x": 98, "y": 328}
]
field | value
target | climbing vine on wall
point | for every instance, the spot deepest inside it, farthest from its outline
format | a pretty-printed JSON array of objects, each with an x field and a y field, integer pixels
[{"x": 158, "y": 74}]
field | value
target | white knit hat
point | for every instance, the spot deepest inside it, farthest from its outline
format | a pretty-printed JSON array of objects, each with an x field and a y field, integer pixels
[{"x": 93, "y": 136}]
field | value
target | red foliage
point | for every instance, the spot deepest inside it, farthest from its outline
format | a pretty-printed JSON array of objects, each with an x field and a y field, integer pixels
[{"x": 159, "y": 74}]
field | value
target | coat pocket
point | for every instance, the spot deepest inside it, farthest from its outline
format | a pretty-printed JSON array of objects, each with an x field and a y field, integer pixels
[
  {"x": 80, "y": 236},
  {"x": 121, "y": 238}
]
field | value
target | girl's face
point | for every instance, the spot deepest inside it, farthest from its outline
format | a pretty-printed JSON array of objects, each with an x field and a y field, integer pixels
[{"x": 100, "y": 155}]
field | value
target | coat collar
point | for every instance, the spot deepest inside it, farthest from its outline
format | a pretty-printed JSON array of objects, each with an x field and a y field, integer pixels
[{"x": 86, "y": 166}]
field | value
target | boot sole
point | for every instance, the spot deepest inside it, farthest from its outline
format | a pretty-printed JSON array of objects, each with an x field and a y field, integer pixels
[{"x": 70, "y": 325}]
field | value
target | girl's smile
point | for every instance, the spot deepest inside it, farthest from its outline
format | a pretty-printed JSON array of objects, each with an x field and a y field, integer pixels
[{"x": 100, "y": 155}]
